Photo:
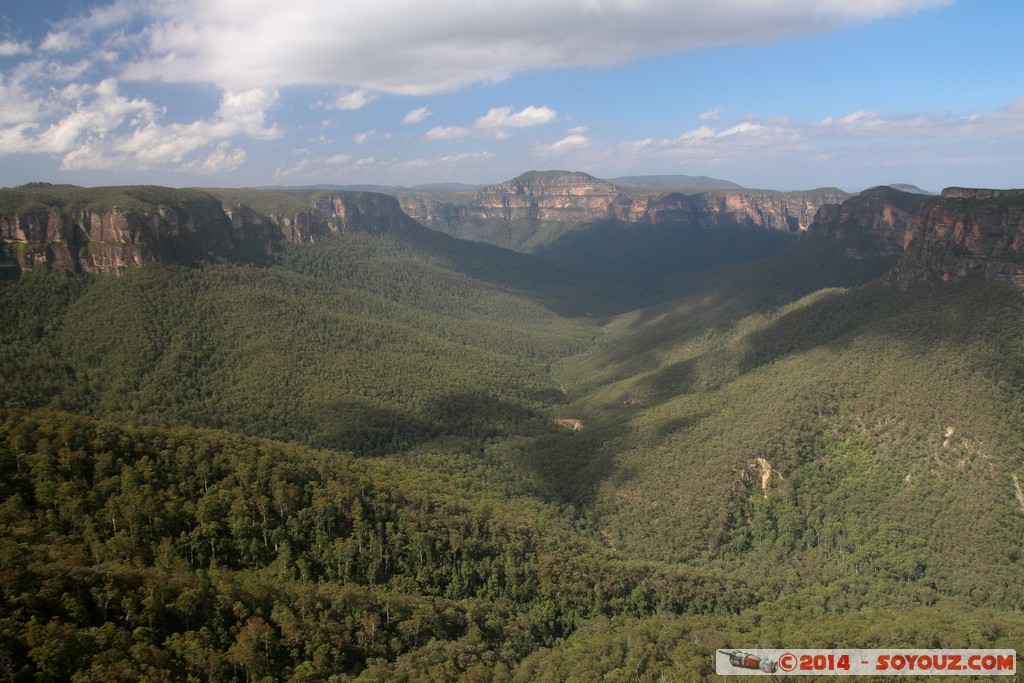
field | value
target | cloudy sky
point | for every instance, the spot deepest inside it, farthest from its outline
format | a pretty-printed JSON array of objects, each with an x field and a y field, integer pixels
[{"x": 777, "y": 94}]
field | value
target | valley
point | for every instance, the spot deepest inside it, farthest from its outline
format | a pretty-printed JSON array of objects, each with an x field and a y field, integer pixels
[{"x": 557, "y": 428}]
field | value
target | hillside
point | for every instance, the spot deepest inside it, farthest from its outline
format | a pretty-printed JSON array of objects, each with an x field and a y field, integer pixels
[{"x": 312, "y": 438}]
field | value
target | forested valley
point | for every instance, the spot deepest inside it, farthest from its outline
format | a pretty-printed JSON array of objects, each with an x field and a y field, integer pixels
[{"x": 398, "y": 456}]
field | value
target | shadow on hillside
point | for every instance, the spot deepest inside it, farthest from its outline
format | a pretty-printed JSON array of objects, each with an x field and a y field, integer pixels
[
  {"x": 367, "y": 427},
  {"x": 564, "y": 466},
  {"x": 718, "y": 297},
  {"x": 569, "y": 467},
  {"x": 930, "y": 315},
  {"x": 364, "y": 427},
  {"x": 716, "y": 301},
  {"x": 645, "y": 253}
]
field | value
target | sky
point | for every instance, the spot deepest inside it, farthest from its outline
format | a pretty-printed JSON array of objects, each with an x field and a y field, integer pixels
[{"x": 771, "y": 94}]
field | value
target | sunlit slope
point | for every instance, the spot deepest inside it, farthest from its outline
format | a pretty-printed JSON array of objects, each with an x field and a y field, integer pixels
[{"x": 864, "y": 443}]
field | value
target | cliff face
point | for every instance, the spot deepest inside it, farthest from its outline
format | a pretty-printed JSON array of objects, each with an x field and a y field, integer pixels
[
  {"x": 582, "y": 198},
  {"x": 327, "y": 213},
  {"x": 961, "y": 232},
  {"x": 760, "y": 210},
  {"x": 545, "y": 196},
  {"x": 97, "y": 241},
  {"x": 966, "y": 231},
  {"x": 69, "y": 229},
  {"x": 882, "y": 215}
]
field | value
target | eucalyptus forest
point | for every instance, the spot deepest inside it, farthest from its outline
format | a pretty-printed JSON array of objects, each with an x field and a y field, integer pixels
[{"x": 394, "y": 455}]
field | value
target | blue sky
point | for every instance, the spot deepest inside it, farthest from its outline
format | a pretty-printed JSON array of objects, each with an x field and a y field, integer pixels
[{"x": 774, "y": 94}]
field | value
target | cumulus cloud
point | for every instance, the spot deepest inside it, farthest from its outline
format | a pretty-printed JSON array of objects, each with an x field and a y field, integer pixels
[
  {"x": 9, "y": 48},
  {"x": 318, "y": 168},
  {"x": 368, "y": 135},
  {"x": 502, "y": 117},
  {"x": 569, "y": 142},
  {"x": 351, "y": 101},
  {"x": 411, "y": 47},
  {"x": 880, "y": 138},
  {"x": 417, "y": 115},
  {"x": 98, "y": 127},
  {"x": 575, "y": 140},
  {"x": 446, "y": 162},
  {"x": 224, "y": 159},
  {"x": 712, "y": 115},
  {"x": 61, "y": 41},
  {"x": 447, "y": 133}
]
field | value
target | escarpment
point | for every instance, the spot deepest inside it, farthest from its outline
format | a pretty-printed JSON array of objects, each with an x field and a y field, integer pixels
[
  {"x": 960, "y": 233},
  {"x": 579, "y": 198},
  {"x": 103, "y": 230}
]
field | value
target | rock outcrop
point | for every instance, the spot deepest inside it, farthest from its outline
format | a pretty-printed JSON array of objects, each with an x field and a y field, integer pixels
[
  {"x": 104, "y": 230},
  {"x": 959, "y": 233}
]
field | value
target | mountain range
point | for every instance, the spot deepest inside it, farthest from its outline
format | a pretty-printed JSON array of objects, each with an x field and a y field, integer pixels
[
  {"x": 556, "y": 214},
  {"x": 556, "y": 428}
]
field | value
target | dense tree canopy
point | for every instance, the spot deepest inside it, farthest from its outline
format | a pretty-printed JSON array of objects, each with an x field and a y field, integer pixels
[{"x": 344, "y": 461}]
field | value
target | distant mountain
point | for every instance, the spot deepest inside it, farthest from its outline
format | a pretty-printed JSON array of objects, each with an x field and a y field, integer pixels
[
  {"x": 458, "y": 187},
  {"x": 533, "y": 210},
  {"x": 336, "y": 188},
  {"x": 682, "y": 183},
  {"x": 912, "y": 189}
]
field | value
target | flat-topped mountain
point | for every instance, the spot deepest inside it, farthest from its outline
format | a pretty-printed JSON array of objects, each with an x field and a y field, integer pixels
[{"x": 535, "y": 209}]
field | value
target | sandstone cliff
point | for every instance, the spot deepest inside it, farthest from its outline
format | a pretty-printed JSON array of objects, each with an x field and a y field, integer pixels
[
  {"x": 963, "y": 232},
  {"x": 959, "y": 233},
  {"x": 788, "y": 212},
  {"x": 879, "y": 217},
  {"x": 578, "y": 198},
  {"x": 102, "y": 230}
]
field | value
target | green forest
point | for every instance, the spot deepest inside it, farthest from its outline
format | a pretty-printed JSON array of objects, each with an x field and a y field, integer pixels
[{"x": 399, "y": 456}]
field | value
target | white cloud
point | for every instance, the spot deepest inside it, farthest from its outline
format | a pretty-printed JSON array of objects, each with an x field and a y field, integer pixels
[
  {"x": 245, "y": 113},
  {"x": 221, "y": 160},
  {"x": 712, "y": 115},
  {"x": 571, "y": 142},
  {"x": 502, "y": 117},
  {"x": 447, "y": 133},
  {"x": 368, "y": 135},
  {"x": 412, "y": 47},
  {"x": 870, "y": 136},
  {"x": 96, "y": 127},
  {"x": 445, "y": 163},
  {"x": 320, "y": 168},
  {"x": 351, "y": 101},
  {"x": 9, "y": 48},
  {"x": 61, "y": 41},
  {"x": 66, "y": 72},
  {"x": 417, "y": 115}
]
